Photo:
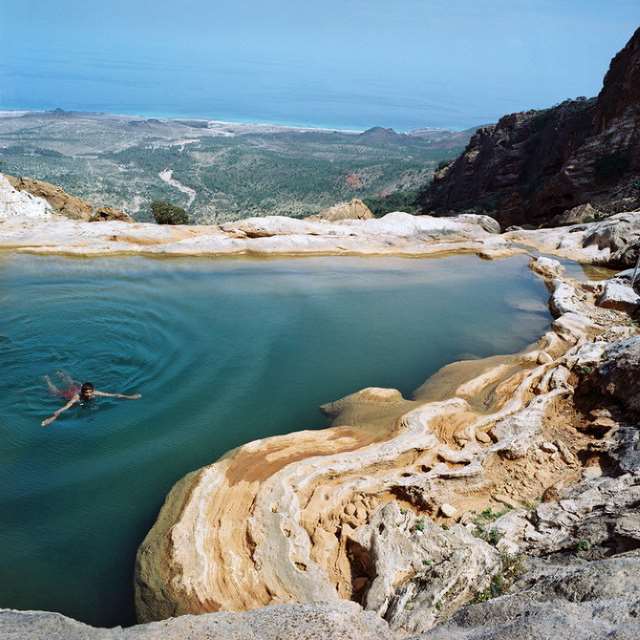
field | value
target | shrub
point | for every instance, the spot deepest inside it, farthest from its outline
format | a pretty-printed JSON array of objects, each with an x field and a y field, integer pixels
[
  {"x": 489, "y": 515},
  {"x": 490, "y": 536},
  {"x": 166, "y": 213},
  {"x": 583, "y": 545},
  {"x": 483, "y": 531},
  {"x": 512, "y": 568}
]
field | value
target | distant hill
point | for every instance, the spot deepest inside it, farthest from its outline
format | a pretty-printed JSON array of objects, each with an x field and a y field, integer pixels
[
  {"x": 381, "y": 135},
  {"x": 219, "y": 171}
]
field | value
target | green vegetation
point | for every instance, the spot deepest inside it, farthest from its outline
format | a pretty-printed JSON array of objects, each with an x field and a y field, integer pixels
[
  {"x": 236, "y": 172},
  {"x": 419, "y": 525},
  {"x": 166, "y": 213},
  {"x": 485, "y": 532},
  {"x": 489, "y": 515},
  {"x": 584, "y": 370},
  {"x": 512, "y": 568},
  {"x": 398, "y": 201},
  {"x": 489, "y": 535},
  {"x": 583, "y": 545}
]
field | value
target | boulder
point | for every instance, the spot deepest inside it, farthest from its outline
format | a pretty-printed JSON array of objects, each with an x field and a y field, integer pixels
[
  {"x": 591, "y": 601},
  {"x": 547, "y": 267},
  {"x": 354, "y": 210},
  {"x": 617, "y": 295},
  {"x": 104, "y": 214},
  {"x": 421, "y": 572},
  {"x": 489, "y": 224},
  {"x": 620, "y": 234},
  {"x": 59, "y": 200},
  {"x": 576, "y": 215},
  {"x": 64, "y": 204},
  {"x": 20, "y": 204}
]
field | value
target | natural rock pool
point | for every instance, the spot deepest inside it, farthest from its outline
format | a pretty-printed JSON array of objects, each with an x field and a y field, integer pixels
[{"x": 223, "y": 352}]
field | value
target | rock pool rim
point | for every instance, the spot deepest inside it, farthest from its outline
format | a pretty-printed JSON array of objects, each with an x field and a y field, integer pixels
[{"x": 177, "y": 540}]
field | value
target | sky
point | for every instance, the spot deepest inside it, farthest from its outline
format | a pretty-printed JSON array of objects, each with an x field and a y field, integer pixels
[{"x": 335, "y": 63}]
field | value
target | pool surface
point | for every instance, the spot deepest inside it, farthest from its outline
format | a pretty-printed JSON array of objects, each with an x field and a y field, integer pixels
[{"x": 223, "y": 352}]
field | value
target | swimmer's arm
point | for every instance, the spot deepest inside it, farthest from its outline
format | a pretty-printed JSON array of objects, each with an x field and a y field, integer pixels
[
  {"x": 106, "y": 394},
  {"x": 50, "y": 419}
]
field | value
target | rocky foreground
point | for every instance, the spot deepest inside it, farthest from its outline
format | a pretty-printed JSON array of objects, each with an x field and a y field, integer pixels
[{"x": 500, "y": 501}]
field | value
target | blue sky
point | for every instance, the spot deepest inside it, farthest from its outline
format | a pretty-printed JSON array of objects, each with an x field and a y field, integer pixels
[{"x": 349, "y": 63}]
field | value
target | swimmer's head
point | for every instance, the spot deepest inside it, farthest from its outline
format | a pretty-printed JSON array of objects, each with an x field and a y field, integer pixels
[{"x": 87, "y": 390}]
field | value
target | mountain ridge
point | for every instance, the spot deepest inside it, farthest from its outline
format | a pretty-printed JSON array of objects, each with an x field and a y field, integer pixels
[{"x": 532, "y": 166}]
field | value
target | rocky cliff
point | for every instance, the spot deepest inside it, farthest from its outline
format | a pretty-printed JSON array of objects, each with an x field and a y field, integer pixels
[
  {"x": 532, "y": 167},
  {"x": 63, "y": 203}
]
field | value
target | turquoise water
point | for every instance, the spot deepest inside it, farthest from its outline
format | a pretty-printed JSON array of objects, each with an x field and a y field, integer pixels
[{"x": 223, "y": 351}]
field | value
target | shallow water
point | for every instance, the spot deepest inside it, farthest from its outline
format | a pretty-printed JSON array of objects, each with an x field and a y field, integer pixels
[{"x": 223, "y": 351}]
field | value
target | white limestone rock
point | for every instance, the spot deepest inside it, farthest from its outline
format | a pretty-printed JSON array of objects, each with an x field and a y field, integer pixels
[
  {"x": 547, "y": 267},
  {"x": 617, "y": 295},
  {"x": 422, "y": 572},
  {"x": 21, "y": 204}
]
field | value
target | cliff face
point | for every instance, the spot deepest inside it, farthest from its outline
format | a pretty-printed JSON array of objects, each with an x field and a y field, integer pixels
[
  {"x": 531, "y": 167},
  {"x": 62, "y": 203}
]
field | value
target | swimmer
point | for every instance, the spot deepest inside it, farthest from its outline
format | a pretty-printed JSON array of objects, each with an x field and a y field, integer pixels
[{"x": 76, "y": 393}]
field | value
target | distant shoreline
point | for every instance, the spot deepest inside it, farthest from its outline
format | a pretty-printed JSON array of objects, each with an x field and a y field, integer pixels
[{"x": 13, "y": 112}]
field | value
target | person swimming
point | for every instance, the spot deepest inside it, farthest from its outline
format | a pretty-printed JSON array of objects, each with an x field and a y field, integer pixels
[{"x": 76, "y": 393}]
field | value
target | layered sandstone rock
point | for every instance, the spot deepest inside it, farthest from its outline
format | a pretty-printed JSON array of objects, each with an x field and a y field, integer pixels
[
  {"x": 534, "y": 167},
  {"x": 394, "y": 234},
  {"x": 356, "y": 511}
]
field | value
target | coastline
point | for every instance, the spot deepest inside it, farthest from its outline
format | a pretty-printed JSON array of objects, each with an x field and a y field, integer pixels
[
  {"x": 228, "y": 122},
  {"x": 215, "y": 122}
]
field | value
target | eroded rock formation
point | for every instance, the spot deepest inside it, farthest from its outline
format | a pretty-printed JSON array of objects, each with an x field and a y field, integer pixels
[
  {"x": 531, "y": 167},
  {"x": 565, "y": 600},
  {"x": 358, "y": 511}
]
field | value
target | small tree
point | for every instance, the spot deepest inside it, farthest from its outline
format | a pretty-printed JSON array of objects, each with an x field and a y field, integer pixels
[{"x": 167, "y": 213}]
